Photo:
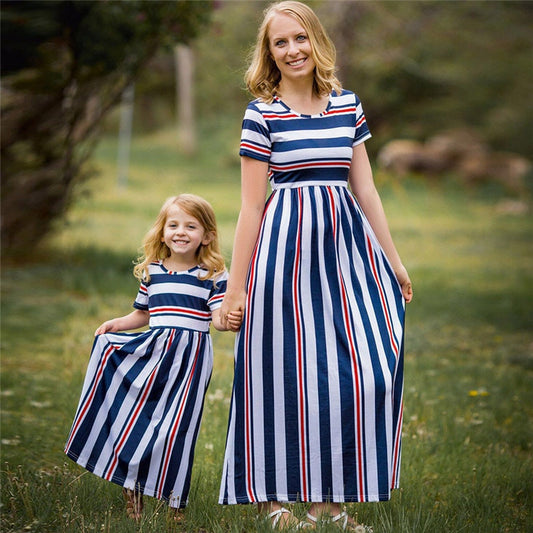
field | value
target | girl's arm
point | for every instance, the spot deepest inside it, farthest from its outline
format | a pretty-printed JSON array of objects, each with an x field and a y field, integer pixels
[
  {"x": 253, "y": 195},
  {"x": 362, "y": 185},
  {"x": 136, "y": 319}
]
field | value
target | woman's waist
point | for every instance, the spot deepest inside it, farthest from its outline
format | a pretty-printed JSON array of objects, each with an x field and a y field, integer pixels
[{"x": 308, "y": 183}]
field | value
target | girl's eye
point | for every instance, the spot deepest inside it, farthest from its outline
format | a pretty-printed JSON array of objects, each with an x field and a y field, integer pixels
[
  {"x": 279, "y": 43},
  {"x": 301, "y": 38}
]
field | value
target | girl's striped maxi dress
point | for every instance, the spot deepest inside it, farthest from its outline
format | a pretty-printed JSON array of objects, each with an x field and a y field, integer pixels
[
  {"x": 141, "y": 405},
  {"x": 316, "y": 411}
]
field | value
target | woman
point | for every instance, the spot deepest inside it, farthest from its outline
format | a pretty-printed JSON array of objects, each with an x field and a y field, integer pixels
[{"x": 316, "y": 411}]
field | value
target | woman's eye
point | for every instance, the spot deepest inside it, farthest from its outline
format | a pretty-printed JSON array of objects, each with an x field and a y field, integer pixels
[
  {"x": 279, "y": 43},
  {"x": 301, "y": 38}
]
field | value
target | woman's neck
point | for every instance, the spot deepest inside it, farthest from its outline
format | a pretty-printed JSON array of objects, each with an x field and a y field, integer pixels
[{"x": 301, "y": 98}]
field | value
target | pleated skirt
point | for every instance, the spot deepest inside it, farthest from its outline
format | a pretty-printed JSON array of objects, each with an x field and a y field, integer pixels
[
  {"x": 140, "y": 410},
  {"x": 316, "y": 410}
]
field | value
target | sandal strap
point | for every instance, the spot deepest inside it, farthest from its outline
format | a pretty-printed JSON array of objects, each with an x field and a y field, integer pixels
[
  {"x": 341, "y": 516},
  {"x": 276, "y": 515},
  {"x": 312, "y": 518}
]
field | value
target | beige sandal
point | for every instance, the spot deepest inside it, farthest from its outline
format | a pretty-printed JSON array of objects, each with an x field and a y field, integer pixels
[
  {"x": 342, "y": 521},
  {"x": 134, "y": 504},
  {"x": 275, "y": 517}
]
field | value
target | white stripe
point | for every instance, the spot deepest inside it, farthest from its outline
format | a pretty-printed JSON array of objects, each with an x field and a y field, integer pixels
[{"x": 311, "y": 183}]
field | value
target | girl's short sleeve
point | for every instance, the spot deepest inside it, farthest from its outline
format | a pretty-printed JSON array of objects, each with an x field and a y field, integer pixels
[
  {"x": 362, "y": 133},
  {"x": 141, "y": 302},
  {"x": 217, "y": 292},
  {"x": 255, "y": 136}
]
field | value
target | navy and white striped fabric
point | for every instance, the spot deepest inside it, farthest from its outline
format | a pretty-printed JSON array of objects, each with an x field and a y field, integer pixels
[
  {"x": 316, "y": 412},
  {"x": 141, "y": 405}
]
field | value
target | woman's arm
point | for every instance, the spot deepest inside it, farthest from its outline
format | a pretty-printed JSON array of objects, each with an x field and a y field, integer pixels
[
  {"x": 362, "y": 185},
  {"x": 253, "y": 195},
  {"x": 136, "y": 319}
]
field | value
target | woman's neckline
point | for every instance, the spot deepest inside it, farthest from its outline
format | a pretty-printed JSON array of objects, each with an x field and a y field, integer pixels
[{"x": 304, "y": 115}]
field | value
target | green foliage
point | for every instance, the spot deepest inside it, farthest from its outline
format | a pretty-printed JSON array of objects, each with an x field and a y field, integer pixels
[
  {"x": 65, "y": 65},
  {"x": 467, "y": 444}
]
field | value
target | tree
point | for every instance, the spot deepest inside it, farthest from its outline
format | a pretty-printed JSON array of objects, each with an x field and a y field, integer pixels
[{"x": 65, "y": 65}]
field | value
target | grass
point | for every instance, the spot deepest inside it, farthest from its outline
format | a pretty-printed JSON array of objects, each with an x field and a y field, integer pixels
[{"x": 467, "y": 449}]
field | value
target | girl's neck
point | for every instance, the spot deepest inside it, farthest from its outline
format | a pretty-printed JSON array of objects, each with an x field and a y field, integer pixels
[{"x": 178, "y": 264}]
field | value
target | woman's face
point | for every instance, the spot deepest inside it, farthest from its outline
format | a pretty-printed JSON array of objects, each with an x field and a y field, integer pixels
[{"x": 290, "y": 48}]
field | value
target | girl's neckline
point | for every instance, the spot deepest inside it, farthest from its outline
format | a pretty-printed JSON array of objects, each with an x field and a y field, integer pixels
[
  {"x": 304, "y": 115},
  {"x": 184, "y": 271}
]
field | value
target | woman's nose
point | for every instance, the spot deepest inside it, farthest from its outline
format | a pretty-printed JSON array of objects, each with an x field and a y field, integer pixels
[{"x": 293, "y": 48}]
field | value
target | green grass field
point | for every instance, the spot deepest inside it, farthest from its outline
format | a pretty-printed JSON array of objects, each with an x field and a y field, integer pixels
[{"x": 468, "y": 433}]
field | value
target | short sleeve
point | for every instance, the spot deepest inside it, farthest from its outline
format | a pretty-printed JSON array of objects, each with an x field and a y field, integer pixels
[
  {"x": 255, "y": 136},
  {"x": 141, "y": 302},
  {"x": 217, "y": 292},
  {"x": 362, "y": 133}
]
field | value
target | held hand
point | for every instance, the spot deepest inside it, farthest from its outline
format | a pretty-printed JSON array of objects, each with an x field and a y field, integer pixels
[
  {"x": 233, "y": 302},
  {"x": 405, "y": 283},
  {"x": 234, "y": 320}
]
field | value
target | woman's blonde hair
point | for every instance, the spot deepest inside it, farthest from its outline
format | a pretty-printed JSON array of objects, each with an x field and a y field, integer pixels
[
  {"x": 208, "y": 255},
  {"x": 262, "y": 77}
]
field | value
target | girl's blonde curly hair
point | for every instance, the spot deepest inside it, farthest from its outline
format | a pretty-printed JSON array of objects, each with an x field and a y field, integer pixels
[
  {"x": 262, "y": 77},
  {"x": 208, "y": 256}
]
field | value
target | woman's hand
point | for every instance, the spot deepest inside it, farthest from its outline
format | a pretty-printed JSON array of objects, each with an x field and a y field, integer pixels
[
  {"x": 405, "y": 283},
  {"x": 232, "y": 309}
]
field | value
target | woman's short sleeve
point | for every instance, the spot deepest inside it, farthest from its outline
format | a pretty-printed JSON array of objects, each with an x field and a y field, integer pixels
[
  {"x": 362, "y": 133},
  {"x": 255, "y": 136}
]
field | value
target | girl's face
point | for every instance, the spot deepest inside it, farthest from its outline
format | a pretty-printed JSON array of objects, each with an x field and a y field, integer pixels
[
  {"x": 290, "y": 48},
  {"x": 183, "y": 234}
]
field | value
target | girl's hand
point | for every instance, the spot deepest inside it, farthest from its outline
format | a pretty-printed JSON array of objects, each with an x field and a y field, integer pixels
[
  {"x": 234, "y": 320},
  {"x": 405, "y": 283},
  {"x": 109, "y": 325}
]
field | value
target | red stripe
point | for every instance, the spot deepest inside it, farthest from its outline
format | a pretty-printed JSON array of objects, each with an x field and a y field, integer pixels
[
  {"x": 397, "y": 447},
  {"x": 299, "y": 355},
  {"x": 280, "y": 116},
  {"x": 360, "y": 121},
  {"x": 281, "y": 168},
  {"x": 180, "y": 310},
  {"x": 177, "y": 423},
  {"x": 255, "y": 148},
  {"x": 247, "y": 430},
  {"x": 341, "y": 111},
  {"x": 81, "y": 416},
  {"x": 355, "y": 367},
  {"x": 129, "y": 427},
  {"x": 382, "y": 296}
]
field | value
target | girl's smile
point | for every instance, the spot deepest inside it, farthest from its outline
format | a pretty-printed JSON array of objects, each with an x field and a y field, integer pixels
[{"x": 183, "y": 234}]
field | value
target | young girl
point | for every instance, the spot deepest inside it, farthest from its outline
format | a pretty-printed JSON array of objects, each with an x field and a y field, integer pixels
[{"x": 141, "y": 404}]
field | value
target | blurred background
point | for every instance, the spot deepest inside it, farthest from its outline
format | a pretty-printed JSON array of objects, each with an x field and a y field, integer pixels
[
  {"x": 109, "y": 107},
  {"x": 454, "y": 75}
]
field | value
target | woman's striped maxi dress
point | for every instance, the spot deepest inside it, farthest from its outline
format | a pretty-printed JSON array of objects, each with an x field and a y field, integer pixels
[
  {"x": 141, "y": 405},
  {"x": 316, "y": 411}
]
